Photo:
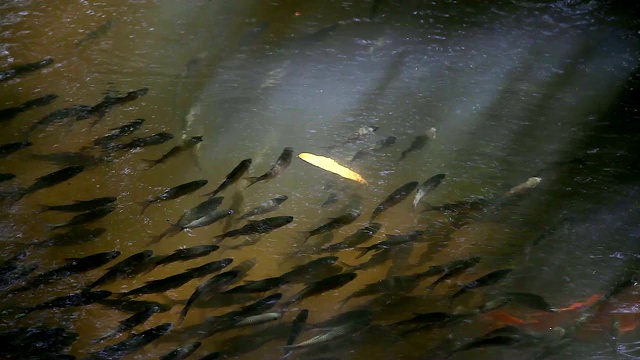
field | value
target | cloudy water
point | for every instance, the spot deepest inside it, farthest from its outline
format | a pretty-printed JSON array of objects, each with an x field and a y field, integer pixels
[{"x": 527, "y": 108}]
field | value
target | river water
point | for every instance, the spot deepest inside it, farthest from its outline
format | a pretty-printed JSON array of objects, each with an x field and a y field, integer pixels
[{"x": 514, "y": 89}]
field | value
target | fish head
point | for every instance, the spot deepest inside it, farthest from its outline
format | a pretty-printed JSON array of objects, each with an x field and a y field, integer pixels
[{"x": 280, "y": 198}]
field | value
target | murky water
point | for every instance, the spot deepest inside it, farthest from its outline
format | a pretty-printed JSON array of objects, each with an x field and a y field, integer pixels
[{"x": 514, "y": 90}]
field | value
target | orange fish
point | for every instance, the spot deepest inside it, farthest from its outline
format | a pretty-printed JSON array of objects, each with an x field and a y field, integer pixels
[{"x": 590, "y": 301}]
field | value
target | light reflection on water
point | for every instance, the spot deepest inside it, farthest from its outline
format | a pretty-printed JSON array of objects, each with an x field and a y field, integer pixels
[{"x": 510, "y": 89}]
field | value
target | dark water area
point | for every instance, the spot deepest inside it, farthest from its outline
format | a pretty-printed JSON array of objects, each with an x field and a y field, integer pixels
[{"x": 528, "y": 108}]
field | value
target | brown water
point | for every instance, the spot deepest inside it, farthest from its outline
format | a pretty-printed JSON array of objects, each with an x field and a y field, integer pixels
[{"x": 511, "y": 88}]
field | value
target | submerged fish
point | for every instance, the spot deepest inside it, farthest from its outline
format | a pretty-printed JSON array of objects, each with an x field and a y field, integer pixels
[
  {"x": 51, "y": 179},
  {"x": 9, "y": 113},
  {"x": 188, "y": 144},
  {"x": 524, "y": 187},
  {"x": 174, "y": 193},
  {"x": 331, "y": 165},
  {"x": 335, "y": 333},
  {"x": 107, "y": 141},
  {"x": 184, "y": 254},
  {"x": 6, "y": 177},
  {"x": 101, "y": 109},
  {"x": 68, "y": 301},
  {"x": 132, "y": 343},
  {"x": 236, "y": 174},
  {"x": 182, "y": 352},
  {"x": 265, "y": 207},
  {"x": 380, "y": 145},
  {"x": 151, "y": 140},
  {"x": 10, "y": 148},
  {"x": 21, "y": 69},
  {"x": 80, "y": 205},
  {"x": 361, "y": 134},
  {"x": 133, "y": 306},
  {"x": 297, "y": 325},
  {"x": 455, "y": 268},
  {"x": 126, "y": 268},
  {"x": 86, "y": 217},
  {"x": 59, "y": 115},
  {"x": 486, "y": 280},
  {"x": 258, "y": 286},
  {"x": 419, "y": 142},
  {"x": 99, "y": 31},
  {"x": 391, "y": 242},
  {"x": 335, "y": 223},
  {"x": 74, "y": 236},
  {"x": 499, "y": 340},
  {"x": 130, "y": 322},
  {"x": 208, "y": 289},
  {"x": 394, "y": 198},
  {"x": 302, "y": 273},
  {"x": 532, "y": 301},
  {"x": 35, "y": 342},
  {"x": 361, "y": 235},
  {"x": 201, "y": 210},
  {"x": 428, "y": 186},
  {"x": 257, "y": 227},
  {"x": 321, "y": 286},
  {"x": 283, "y": 162}
]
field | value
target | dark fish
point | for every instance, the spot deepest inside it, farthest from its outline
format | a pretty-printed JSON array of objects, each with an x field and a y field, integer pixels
[
  {"x": 486, "y": 280},
  {"x": 10, "y": 113},
  {"x": 394, "y": 198},
  {"x": 101, "y": 109},
  {"x": 151, "y": 140},
  {"x": 184, "y": 254},
  {"x": 99, "y": 31},
  {"x": 426, "y": 319},
  {"x": 258, "y": 286},
  {"x": 86, "y": 217},
  {"x": 257, "y": 227},
  {"x": 175, "y": 281},
  {"x": 10, "y": 148},
  {"x": 132, "y": 343},
  {"x": 130, "y": 322},
  {"x": 24, "y": 68},
  {"x": 188, "y": 144},
  {"x": 360, "y": 236},
  {"x": 428, "y": 186},
  {"x": 35, "y": 342},
  {"x": 344, "y": 318},
  {"x": 333, "y": 334},
  {"x": 391, "y": 242},
  {"x": 74, "y": 300},
  {"x": 80, "y": 205},
  {"x": 129, "y": 128},
  {"x": 419, "y": 142},
  {"x": 335, "y": 223},
  {"x": 380, "y": 145},
  {"x": 133, "y": 306},
  {"x": 235, "y": 175},
  {"x": 75, "y": 236},
  {"x": 6, "y": 177},
  {"x": 297, "y": 325},
  {"x": 321, "y": 286},
  {"x": 60, "y": 114},
  {"x": 72, "y": 158},
  {"x": 463, "y": 207},
  {"x": 331, "y": 199},
  {"x": 532, "y": 301},
  {"x": 73, "y": 266},
  {"x": 266, "y": 207},
  {"x": 499, "y": 340},
  {"x": 182, "y": 352},
  {"x": 52, "y": 179},
  {"x": 237, "y": 201},
  {"x": 208, "y": 289},
  {"x": 319, "y": 35},
  {"x": 174, "y": 193},
  {"x": 129, "y": 267},
  {"x": 454, "y": 269},
  {"x": 228, "y": 320},
  {"x": 376, "y": 259},
  {"x": 199, "y": 211},
  {"x": 361, "y": 134},
  {"x": 14, "y": 270},
  {"x": 301, "y": 273},
  {"x": 283, "y": 162}
]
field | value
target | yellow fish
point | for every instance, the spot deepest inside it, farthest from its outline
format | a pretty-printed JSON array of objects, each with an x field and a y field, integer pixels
[{"x": 332, "y": 166}]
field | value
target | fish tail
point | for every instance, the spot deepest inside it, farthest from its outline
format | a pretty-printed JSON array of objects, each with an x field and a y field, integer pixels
[
  {"x": 218, "y": 239},
  {"x": 171, "y": 231},
  {"x": 43, "y": 208},
  {"x": 145, "y": 204},
  {"x": 363, "y": 251},
  {"x": 252, "y": 180},
  {"x": 305, "y": 236}
]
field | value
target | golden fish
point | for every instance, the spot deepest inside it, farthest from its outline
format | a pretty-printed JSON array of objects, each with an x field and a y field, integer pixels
[{"x": 332, "y": 166}]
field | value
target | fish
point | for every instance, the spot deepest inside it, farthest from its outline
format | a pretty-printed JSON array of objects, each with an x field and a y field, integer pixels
[
  {"x": 391, "y": 242},
  {"x": 85, "y": 217},
  {"x": 335, "y": 333},
  {"x": 182, "y": 352},
  {"x": 10, "y": 113},
  {"x": 361, "y": 236},
  {"x": 68, "y": 301},
  {"x": 127, "y": 268},
  {"x": 133, "y": 306},
  {"x": 209, "y": 288},
  {"x": 35, "y": 342},
  {"x": 331, "y": 199},
  {"x": 532, "y": 301},
  {"x": 376, "y": 259},
  {"x": 132, "y": 343},
  {"x": 51, "y": 179},
  {"x": 184, "y": 254},
  {"x": 10, "y": 148},
  {"x": 297, "y": 325},
  {"x": 361, "y": 134},
  {"x": 173, "y": 193},
  {"x": 151, "y": 140},
  {"x": 230, "y": 319},
  {"x": 343, "y": 318},
  {"x": 74, "y": 236},
  {"x": 531, "y": 183},
  {"x": 265, "y": 207},
  {"x": 199, "y": 211},
  {"x": 188, "y": 144},
  {"x": 499, "y": 340},
  {"x": 258, "y": 286},
  {"x": 426, "y": 319},
  {"x": 380, "y": 145},
  {"x": 59, "y": 115},
  {"x": 485, "y": 280},
  {"x": 236, "y": 174},
  {"x": 419, "y": 142},
  {"x": 175, "y": 281},
  {"x": 99, "y": 31},
  {"x": 394, "y": 198},
  {"x": 130, "y": 322},
  {"x": 22, "y": 69},
  {"x": 73, "y": 266},
  {"x": 331, "y": 165},
  {"x": 101, "y": 109},
  {"x": 12, "y": 271},
  {"x": 301, "y": 273},
  {"x": 79, "y": 205},
  {"x": 107, "y": 141},
  {"x": 454, "y": 269},
  {"x": 257, "y": 319},
  {"x": 324, "y": 285},
  {"x": 72, "y": 158},
  {"x": 428, "y": 186},
  {"x": 6, "y": 177},
  {"x": 335, "y": 223},
  {"x": 262, "y": 226},
  {"x": 283, "y": 162}
]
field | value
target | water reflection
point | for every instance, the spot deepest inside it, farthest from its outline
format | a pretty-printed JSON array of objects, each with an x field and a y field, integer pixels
[{"x": 514, "y": 90}]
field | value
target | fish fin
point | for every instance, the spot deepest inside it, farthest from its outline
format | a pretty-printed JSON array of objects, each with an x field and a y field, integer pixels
[
  {"x": 42, "y": 208},
  {"x": 305, "y": 235},
  {"x": 252, "y": 180},
  {"x": 363, "y": 250}
]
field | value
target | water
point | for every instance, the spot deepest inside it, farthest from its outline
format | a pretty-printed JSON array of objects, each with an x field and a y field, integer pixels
[{"x": 512, "y": 88}]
